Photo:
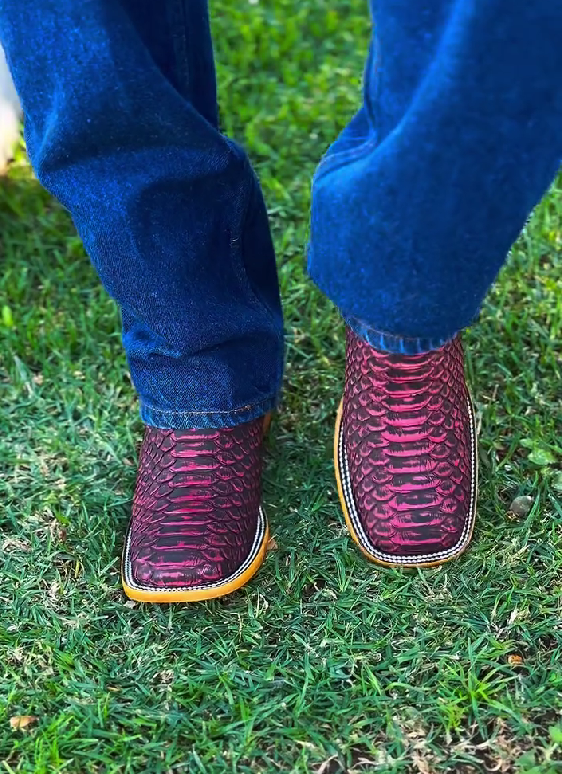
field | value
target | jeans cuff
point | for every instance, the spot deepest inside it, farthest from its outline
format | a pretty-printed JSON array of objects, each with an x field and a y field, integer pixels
[
  {"x": 205, "y": 420},
  {"x": 391, "y": 342}
]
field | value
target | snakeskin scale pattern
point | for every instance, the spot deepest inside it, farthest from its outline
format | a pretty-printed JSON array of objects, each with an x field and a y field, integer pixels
[
  {"x": 196, "y": 518},
  {"x": 408, "y": 452}
]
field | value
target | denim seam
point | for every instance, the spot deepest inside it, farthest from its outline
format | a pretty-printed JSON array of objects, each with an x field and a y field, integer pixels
[
  {"x": 392, "y": 342},
  {"x": 374, "y": 58},
  {"x": 239, "y": 244},
  {"x": 179, "y": 31},
  {"x": 240, "y": 267},
  {"x": 248, "y": 407}
]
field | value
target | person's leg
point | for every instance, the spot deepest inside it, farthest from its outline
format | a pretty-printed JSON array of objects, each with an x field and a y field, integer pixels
[
  {"x": 121, "y": 126},
  {"x": 417, "y": 204},
  {"x": 414, "y": 209}
]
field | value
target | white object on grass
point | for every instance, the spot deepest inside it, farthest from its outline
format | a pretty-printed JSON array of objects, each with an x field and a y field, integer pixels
[{"x": 10, "y": 113}]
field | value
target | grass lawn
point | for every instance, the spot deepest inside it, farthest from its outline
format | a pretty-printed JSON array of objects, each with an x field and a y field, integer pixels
[{"x": 323, "y": 663}]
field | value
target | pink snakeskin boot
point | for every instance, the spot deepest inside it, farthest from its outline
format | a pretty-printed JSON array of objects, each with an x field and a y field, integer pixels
[
  {"x": 197, "y": 529},
  {"x": 405, "y": 454}
]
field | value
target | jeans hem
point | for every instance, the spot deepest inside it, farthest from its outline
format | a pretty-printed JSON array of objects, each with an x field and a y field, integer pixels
[
  {"x": 203, "y": 420},
  {"x": 391, "y": 342}
]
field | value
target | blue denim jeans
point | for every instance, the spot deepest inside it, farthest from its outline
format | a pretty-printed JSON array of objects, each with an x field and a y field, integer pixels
[{"x": 414, "y": 207}]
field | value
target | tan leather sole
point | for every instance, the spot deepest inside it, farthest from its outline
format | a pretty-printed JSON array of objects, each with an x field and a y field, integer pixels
[{"x": 199, "y": 594}]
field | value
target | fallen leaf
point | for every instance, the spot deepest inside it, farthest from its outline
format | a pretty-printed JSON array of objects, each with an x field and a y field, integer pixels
[
  {"x": 420, "y": 763},
  {"x": 57, "y": 531},
  {"x": 272, "y": 544},
  {"x": 22, "y": 721},
  {"x": 15, "y": 544}
]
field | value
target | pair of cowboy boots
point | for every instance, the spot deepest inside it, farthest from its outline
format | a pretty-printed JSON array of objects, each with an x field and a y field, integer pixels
[{"x": 405, "y": 461}]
